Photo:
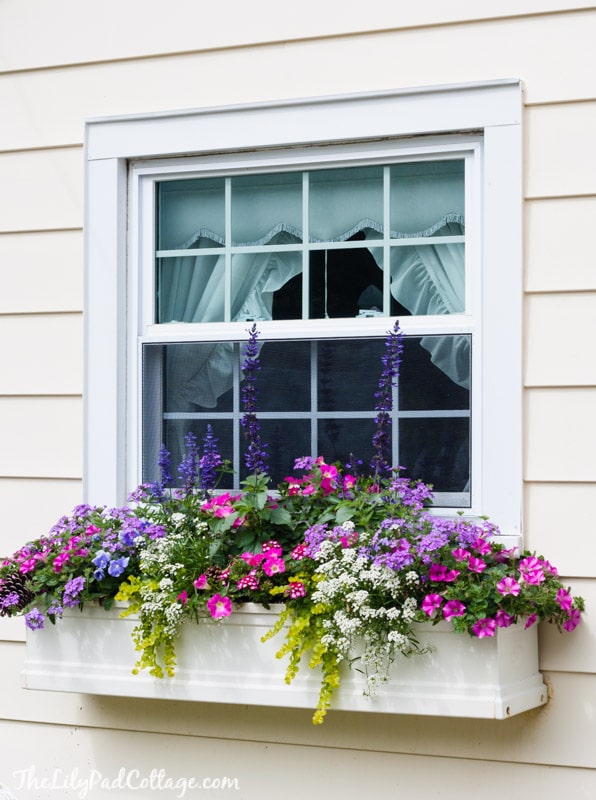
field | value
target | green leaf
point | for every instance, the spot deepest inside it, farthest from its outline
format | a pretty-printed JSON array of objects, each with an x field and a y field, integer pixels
[
  {"x": 280, "y": 516},
  {"x": 343, "y": 514}
]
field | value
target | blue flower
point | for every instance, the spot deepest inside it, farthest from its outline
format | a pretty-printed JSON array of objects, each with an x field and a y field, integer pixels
[
  {"x": 117, "y": 566},
  {"x": 101, "y": 559}
]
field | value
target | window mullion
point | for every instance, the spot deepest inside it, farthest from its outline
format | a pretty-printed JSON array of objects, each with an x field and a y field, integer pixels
[
  {"x": 305, "y": 247},
  {"x": 386, "y": 241},
  {"x": 314, "y": 397},
  {"x": 228, "y": 252}
]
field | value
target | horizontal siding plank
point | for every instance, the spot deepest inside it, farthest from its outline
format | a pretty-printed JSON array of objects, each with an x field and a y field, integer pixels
[
  {"x": 556, "y": 525},
  {"x": 47, "y": 108},
  {"x": 44, "y": 501},
  {"x": 42, "y": 190},
  {"x": 559, "y": 244},
  {"x": 41, "y": 272},
  {"x": 539, "y": 736},
  {"x": 559, "y": 152},
  {"x": 41, "y": 437},
  {"x": 560, "y": 339},
  {"x": 23, "y": 46},
  {"x": 43, "y": 354},
  {"x": 560, "y": 439}
]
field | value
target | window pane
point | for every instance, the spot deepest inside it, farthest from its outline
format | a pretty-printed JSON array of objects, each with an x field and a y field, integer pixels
[
  {"x": 191, "y": 289},
  {"x": 344, "y": 201},
  {"x": 344, "y": 282},
  {"x": 348, "y": 374},
  {"x": 422, "y": 193},
  {"x": 437, "y": 451},
  {"x": 188, "y": 210},
  {"x": 264, "y": 206},
  {"x": 435, "y": 373}
]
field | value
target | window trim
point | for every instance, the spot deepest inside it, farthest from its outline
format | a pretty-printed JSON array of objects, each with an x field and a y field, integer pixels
[{"x": 492, "y": 110}]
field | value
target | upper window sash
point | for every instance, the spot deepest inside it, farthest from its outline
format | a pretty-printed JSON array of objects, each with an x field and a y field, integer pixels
[{"x": 146, "y": 177}]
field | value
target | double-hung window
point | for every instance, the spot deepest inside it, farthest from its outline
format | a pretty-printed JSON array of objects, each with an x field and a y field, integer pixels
[{"x": 321, "y": 222}]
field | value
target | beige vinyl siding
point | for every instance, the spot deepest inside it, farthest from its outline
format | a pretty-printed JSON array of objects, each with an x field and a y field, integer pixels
[
  {"x": 559, "y": 249},
  {"x": 35, "y": 504},
  {"x": 74, "y": 64},
  {"x": 46, "y": 190},
  {"x": 41, "y": 438},
  {"x": 30, "y": 365},
  {"x": 109, "y": 35},
  {"x": 41, "y": 272},
  {"x": 560, "y": 524},
  {"x": 560, "y": 339}
]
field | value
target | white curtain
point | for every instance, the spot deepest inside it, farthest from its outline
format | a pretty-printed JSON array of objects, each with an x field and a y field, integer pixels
[{"x": 425, "y": 279}]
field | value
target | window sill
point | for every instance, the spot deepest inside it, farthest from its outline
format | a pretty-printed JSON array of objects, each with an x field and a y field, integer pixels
[{"x": 92, "y": 652}]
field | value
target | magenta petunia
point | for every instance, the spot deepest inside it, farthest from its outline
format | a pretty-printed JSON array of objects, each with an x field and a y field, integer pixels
[
  {"x": 508, "y": 585},
  {"x": 201, "y": 582},
  {"x": 530, "y": 621},
  {"x": 573, "y": 621},
  {"x": 453, "y": 608},
  {"x": 564, "y": 599},
  {"x": 271, "y": 566},
  {"x": 431, "y": 603},
  {"x": 219, "y": 606},
  {"x": 484, "y": 627},
  {"x": 503, "y": 619}
]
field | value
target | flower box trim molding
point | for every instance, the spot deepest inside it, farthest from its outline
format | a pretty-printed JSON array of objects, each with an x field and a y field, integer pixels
[{"x": 92, "y": 652}]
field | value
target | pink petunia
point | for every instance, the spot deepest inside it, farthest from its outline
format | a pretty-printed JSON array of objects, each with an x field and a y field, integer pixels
[
  {"x": 349, "y": 482},
  {"x": 564, "y": 599},
  {"x": 531, "y": 571},
  {"x": 92, "y": 529},
  {"x": 271, "y": 566},
  {"x": 530, "y": 621},
  {"x": 460, "y": 554},
  {"x": 437, "y": 572},
  {"x": 503, "y": 619},
  {"x": 508, "y": 585},
  {"x": 453, "y": 608},
  {"x": 431, "y": 603},
  {"x": 253, "y": 559},
  {"x": 484, "y": 627},
  {"x": 219, "y": 606},
  {"x": 573, "y": 621},
  {"x": 183, "y": 597},
  {"x": 476, "y": 564},
  {"x": 201, "y": 582},
  {"x": 482, "y": 546}
]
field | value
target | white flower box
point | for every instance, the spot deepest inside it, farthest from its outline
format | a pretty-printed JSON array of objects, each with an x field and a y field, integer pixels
[{"x": 92, "y": 652}]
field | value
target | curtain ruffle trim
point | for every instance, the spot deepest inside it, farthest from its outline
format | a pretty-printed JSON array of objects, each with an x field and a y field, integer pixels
[{"x": 292, "y": 230}]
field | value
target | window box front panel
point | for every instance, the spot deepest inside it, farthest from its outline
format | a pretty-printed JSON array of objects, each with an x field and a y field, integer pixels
[{"x": 92, "y": 652}]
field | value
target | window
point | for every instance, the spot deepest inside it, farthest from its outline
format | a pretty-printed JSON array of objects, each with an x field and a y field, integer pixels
[{"x": 321, "y": 220}]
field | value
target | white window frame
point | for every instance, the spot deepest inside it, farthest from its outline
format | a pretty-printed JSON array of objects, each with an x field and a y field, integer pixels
[{"x": 124, "y": 155}]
